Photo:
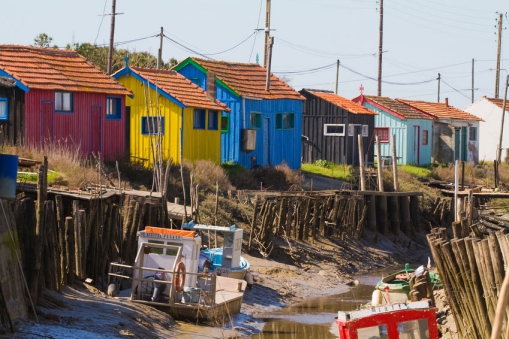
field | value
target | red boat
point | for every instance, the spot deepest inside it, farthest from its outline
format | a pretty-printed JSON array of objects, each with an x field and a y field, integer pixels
[{"x": 399, "y": 320}]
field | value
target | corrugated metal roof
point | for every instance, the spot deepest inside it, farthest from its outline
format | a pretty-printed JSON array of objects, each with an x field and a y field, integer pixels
[
  {"x": 344, "y": 103},
  {"x": 398, "y": 107},
  {"x": 440, "y": 110},
  {"x": 179, "y": 87},
  {"x": 53, "y": 69},
  {"x": 249, "y": 79}
]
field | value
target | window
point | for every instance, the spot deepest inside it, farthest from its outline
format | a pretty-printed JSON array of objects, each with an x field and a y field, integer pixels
[
  {"x": 334, "y": 130},
  {"x": 382, "y": 133},
  {"x": 255, "y": 120},
  {"x": 151, "y": 125},
  {"x": 225, "y": 124},
  {"x": 114, "y": 108},
  {"x": 350, "y": 130},
  {"x": 213, "y": 120},
  {"x": 199, "y": 119},
  {"x": 425, "y": 137},
  {"x": 156, "y": 250},
  {"x": 285, "y": 121},
  {"x": 3, "y": 109},
  {"x": 288, "y": 121},
  {"x": 472, "y": 133},
  {"x": 63, "y": 101},
  {"x": 365, "y": 130}
]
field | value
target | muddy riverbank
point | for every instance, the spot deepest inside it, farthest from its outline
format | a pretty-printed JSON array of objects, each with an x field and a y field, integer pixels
[{"x": 298, "y": 271}]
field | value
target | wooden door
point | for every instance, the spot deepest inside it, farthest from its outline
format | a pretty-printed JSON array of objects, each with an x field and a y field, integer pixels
[{"x": 95, "y": 130}]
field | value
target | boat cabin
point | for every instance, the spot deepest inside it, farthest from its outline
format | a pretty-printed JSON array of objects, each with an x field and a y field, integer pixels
[
  {"x": 400, "y": 320},
  {"x": 227, "y": 258}
]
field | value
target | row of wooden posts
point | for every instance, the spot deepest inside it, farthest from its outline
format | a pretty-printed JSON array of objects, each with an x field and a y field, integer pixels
[
  {"x": 472, "y": 270},
  {"x": 63, "y": 237},
  {"x": 304, "y": 216}
]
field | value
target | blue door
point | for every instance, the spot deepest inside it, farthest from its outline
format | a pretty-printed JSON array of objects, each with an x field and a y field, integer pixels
[{"x": 266, "y": 142}]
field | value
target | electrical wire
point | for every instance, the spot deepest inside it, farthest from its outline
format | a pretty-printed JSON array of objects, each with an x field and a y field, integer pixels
[
  {"x": 100, "y": 24},
  {"x": 237, "y": 45},
  {"x": 458, "y": 91},
  {"x": 187, "y": 48},
  {"x": 385, "y": 81},
  {"x": 257, "y": 25},
  {"x": 318, "y": 52},
  {"x": 313, "y": 70}
]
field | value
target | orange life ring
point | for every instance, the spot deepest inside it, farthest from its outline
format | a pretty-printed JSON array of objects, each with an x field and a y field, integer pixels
[
  {"x": 179, "y": 283},
  {"x": 404, "y": 276}
]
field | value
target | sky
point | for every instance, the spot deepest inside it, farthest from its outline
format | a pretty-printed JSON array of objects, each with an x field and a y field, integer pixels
[{"x": 420, "y": 39}]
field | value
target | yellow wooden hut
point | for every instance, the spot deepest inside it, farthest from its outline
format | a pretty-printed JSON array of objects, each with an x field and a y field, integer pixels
[{"x": 170, "y": 116}]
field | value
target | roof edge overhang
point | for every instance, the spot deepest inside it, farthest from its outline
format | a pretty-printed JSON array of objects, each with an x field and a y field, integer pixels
[
  {"x": 19, "y": 83},
  {"x": 381, "y": 107},
  {"x": 128, "y": 71},
  {"x": 190, "y": 61}
]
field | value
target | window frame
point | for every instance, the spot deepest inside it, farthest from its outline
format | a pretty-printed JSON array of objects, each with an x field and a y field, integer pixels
[
  {"x": 144, "y": 121},
  {"x": 227, "y": 128},
  {"x": 59, "y": 104},
  {"x": 291, "y": 125},
  {"x": 470, "y": 129},
  {"x": 365, "y": 131},
  {"x": 199, "y": 118},
  {"x": 338, "y": 134},
  {"x": 377, "y": 129},
  {"x": 425, "y": 137},
  {"x": 257, "y": 122},
  {"x": 117, "y": 101},
  {"x": 212, "y": 125},
  {"x": 6, "y": 116}
]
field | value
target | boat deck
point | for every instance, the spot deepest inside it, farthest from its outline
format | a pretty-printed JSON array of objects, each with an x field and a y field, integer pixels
[{"x": 228, "y": 300}]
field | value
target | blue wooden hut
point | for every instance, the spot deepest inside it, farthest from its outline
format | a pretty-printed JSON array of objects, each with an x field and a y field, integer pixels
[
  {"x": 265, "y": 123},
  {"x": 413, "y": 129}
]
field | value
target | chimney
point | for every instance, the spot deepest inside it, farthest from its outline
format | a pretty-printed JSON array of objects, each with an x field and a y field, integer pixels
[
  {"x": 446, "y": 102},
  {"x": 211, "y": 86}
]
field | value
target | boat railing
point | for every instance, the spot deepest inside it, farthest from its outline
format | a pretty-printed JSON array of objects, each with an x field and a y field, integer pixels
[{"x": 206, "y": 286}]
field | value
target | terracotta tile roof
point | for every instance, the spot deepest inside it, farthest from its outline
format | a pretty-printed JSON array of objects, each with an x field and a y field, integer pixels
[
  {"x": 398, "y": 107},
  {"x": 440, "y": 110},
  {"x": 53, "y": 69},
  {"x": 344, "y": 103},
  {"x": 179, "y": 87},
  {"x": 249, "y": 79},
  {"x": 499, "y": 103}
]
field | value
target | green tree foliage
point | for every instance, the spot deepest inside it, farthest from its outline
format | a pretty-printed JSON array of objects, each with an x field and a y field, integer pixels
[
  {"x": 98, "y": 55},
  {"x": 43, "y": 40}
]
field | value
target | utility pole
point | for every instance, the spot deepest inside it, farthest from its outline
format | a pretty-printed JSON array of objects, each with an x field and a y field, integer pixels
[
  {"x": 499, "y": 45},
  {"x": 112, "y": 36},
  {"x": 499, "y": 151},
  {"x": 337, "y": 75},
  {"x": 267, "y": 34},
  {"x": 438, "y": 92},
  {"x": 160, "y": 52},
  {"x": 472, "y": 80},
  {"x": 267, "y": 83},
  {"x": 380, "y": 44}
]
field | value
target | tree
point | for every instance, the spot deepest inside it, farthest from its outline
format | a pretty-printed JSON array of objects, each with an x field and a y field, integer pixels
[
  {"x": 42, "y": 40},
  {"x": 98, "y": 55}
]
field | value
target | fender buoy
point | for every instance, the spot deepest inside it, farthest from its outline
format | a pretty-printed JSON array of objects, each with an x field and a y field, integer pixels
[
  {"x": 177, "y": 281},
  {"x": 404, "y": 276}
]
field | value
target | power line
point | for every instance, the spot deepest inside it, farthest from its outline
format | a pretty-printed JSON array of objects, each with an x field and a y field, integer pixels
[
  {"x": 458, "y": 91},
  {"x": 187, "y": 48},
  {"x": 257, "y": 25},
  {"x": 100, "y": 24},
  {"x": 385, "y": 81},
  {"x": 237, "y": 45},
  {"x": 313, "y": 70},
  {"x": 318, "y": 52}
]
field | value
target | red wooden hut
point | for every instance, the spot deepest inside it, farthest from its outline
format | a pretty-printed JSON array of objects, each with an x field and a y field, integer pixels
[{"x": 67, "y": 101}]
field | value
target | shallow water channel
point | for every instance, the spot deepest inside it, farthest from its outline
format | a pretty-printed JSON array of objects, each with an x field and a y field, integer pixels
[{"x": 315, "y": 318}]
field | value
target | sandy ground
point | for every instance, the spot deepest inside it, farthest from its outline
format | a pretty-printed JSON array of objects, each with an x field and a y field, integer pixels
[{"x": 294, "y": 272}]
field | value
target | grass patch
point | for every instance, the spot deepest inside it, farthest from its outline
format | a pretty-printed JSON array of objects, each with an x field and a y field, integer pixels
[
  {"x": 32, "y": 177},
  {"x": 422, "y": 172},
  {"x": 330, "y": 170}
]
